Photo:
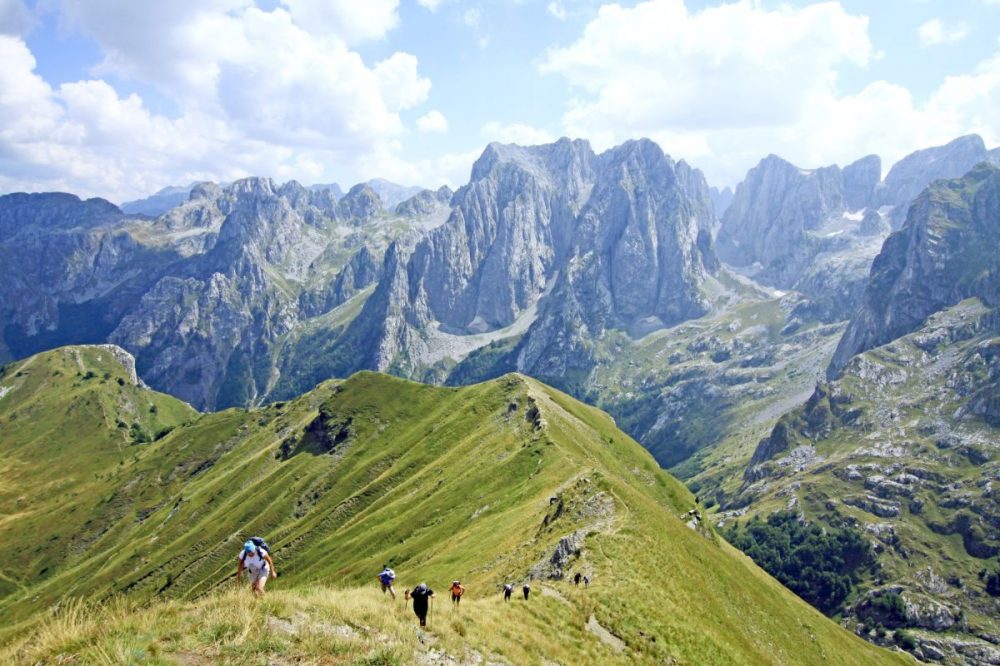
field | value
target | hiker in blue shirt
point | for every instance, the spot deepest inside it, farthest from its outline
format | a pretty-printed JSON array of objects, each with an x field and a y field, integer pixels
[{"x": 386, "y": 578}]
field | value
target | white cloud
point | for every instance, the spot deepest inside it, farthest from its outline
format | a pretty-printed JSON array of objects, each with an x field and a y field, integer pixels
[
  {"x": 472, "y": 17},
  {"x": 255, "y": 93},
  {"x": 556, "y": 9},
  {"x": 15, "y": 19},
  {"x": 735, "y": 63},
  {"x": 524, "y": 135},
  {"x": 934, "y": 32},
  {"x": 727, "y": 85},
  {"x": 430, "y": 5},
  {"x": 350, "y": 20},
  {"x": 432, "y": 122}
]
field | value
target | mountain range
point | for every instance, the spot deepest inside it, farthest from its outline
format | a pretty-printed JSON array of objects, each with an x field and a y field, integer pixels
[{"x": 815, "y": 340}]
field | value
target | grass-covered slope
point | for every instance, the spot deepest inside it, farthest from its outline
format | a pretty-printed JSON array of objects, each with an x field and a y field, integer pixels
[
  {"x": 904, "y": 446},
  {"x": 481, "y": 483}
]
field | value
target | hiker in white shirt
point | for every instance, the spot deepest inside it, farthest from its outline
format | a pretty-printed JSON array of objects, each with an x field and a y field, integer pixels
[{"x": 258, "y": 565}]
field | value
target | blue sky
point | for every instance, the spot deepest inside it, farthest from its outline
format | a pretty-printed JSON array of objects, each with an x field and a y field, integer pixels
[{"x": 116, "y": 98}]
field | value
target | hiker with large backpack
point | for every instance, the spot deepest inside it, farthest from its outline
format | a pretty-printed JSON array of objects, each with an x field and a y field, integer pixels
[
  {"x": 255, "y": 559},
  {"x": 421, "y": 596},
  {"x": 386, "y": 578}
]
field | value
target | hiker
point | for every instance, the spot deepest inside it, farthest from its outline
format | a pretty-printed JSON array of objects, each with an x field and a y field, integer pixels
[
  {"x": 508, "y": 589},
  {"x": 576, "y": 578},
  {"x": 256, "y": 559},
  {"x": 457, "y": 590},
  {"x": 527, "y": 590},
  {"x": 586, "y": 581},
  {"x": 386, "y": 578},
  {"x": 421, "y": 596}
]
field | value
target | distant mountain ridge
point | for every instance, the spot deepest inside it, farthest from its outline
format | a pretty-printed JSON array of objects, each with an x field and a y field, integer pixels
[
  {"x": 620, "y": 239},
  {"x": 201, "y": 294}
]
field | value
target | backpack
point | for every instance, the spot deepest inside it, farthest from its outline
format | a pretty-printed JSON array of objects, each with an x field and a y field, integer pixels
[
  {"x": 262, "y": 547},
  {"x": 387, "y": 576}
]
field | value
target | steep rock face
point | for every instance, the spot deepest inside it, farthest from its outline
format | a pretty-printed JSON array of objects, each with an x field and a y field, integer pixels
[
  {"x": 205, "y": 329},
  {"x": 362, "y": 271},
  {"x": 860, "y": 180},
  {"x": 638, "y": 263},
  {"x": 361, "y": 203},
  {"x": 60, "y": 260},
  {"x": 619, "y": 239},
  {"x": 916, "y": 171},
  {"x": 509, "y": 226},
  {"x": 778, "y": 216},
  {"x": 426, "y": 202},
  {"x": 946, "y": 251},
  {"x": 721, "y": 198},
  {"x": 692, "y": 182}
]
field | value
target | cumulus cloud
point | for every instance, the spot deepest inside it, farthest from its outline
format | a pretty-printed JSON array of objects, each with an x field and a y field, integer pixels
[
  {"x": 350, "y": 20},
  {"x": 725, "y": 85},
  {"x": 432, "y": 122},
  {"x": 521, "y": 134},
  {"x": 255, "y": 93},
  {"x": 935, "y": 32}
]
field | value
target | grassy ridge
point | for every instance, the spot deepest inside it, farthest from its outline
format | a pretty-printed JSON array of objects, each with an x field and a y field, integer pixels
[{"x": 479, "y": 483}]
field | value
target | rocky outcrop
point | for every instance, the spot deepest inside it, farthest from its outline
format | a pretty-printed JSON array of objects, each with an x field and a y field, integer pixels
[
  {"x": 362, "y": 271},
  {"x": 361, "y": 204},
  {"x": 946, "y": 252},
  {"x": 426, "y": 202}
]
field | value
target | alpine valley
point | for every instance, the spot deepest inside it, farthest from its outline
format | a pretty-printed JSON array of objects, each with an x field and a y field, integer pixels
[{"x": 815, "y": 354}]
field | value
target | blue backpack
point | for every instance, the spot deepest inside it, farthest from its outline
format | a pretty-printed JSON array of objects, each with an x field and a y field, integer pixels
[{"x": 262, "y": 547}]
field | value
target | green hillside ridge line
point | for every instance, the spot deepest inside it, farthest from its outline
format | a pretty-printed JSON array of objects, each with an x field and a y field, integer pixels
[{"x": 479, "y": 483}]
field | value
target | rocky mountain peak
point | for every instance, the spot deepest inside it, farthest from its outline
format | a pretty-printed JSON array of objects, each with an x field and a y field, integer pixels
[
  {"x": 425, "y": 202},
  {"x": 253, "y": 186},
  {"x": 909, "y": 176},
  {"x": 360, "y": 204},
  {"x": 861, "y": 177},
  {"x": 563, "y": 163},
  {"x": 205, "y": 191},
  {"x": 945, "y": 252}
]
